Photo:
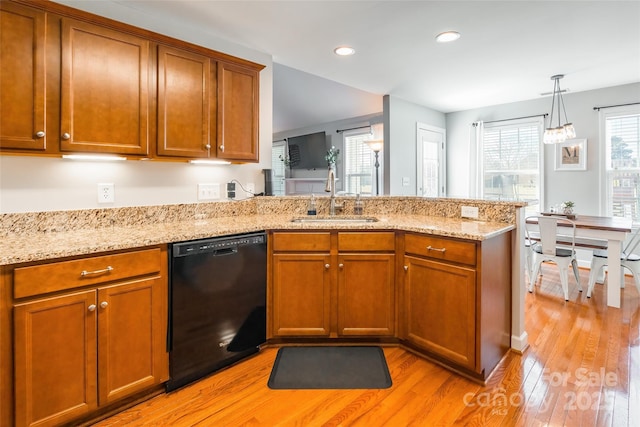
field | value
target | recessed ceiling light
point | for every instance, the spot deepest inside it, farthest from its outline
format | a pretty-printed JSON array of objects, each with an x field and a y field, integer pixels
[
  {"x": 447, "y": 36},
  {"x": 344, "y": 50}
]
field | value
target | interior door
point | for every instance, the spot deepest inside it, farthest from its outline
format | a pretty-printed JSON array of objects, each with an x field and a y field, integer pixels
[{"x": 430, "y": 173}]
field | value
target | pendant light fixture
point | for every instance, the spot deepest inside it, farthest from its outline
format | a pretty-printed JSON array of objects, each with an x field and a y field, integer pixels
[{"x": 555, "y": 135}]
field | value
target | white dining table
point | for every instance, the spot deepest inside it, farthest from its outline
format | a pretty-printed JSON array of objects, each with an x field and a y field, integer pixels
[{"x": 614, "y": 230}]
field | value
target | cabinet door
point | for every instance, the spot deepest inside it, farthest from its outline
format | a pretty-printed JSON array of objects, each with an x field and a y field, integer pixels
[
  {"x": 131, "y": 339},
  {"x": 186, "y": 110},
  {"x": 301, "y": 294},
  {"x": 440, "y": 309},
  {"x": 104, "y": 94},
  {"x": 366, "y": 294},
  {"x": 237, "y": 113},
  {"x": 22, "y": 78},
  {"x": 55, "y": 359}
]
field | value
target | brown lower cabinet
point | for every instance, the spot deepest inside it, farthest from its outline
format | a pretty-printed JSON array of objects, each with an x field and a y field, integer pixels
[
  {"x": 79, "y": 349},
  {"x": 446, "y": 298},
  {"x": 457, "y": 300},
  {"x": 332, "y": 284}
]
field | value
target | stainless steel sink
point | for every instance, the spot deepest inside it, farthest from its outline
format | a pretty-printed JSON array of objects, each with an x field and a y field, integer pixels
[{"x": 330, "y": 219}]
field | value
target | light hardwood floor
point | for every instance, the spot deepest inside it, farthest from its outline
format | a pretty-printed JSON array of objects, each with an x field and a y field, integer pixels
[{"x": 582, "y": 369}]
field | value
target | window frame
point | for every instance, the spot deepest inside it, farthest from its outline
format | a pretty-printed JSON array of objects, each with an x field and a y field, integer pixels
[
  {"x": 515, "y": 123},
  {"x": 603, "y": 191},
  {"x": 344, "y": 175}
]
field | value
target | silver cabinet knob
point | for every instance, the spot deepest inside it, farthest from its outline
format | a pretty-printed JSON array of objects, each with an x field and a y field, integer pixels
[
  {"x": 40, "y": 134},
  {"x": 92, "y": 307},
  {"x": 208, "y": 146},
  {"x": 104, "y": 304},
  {"x": 341, "y": 265},
  {"x": 326, "y": 266},
  {"x": 66, "y": 136},
  {"x": 222, "y": 148},
  {"x": 406, "y": 268}
]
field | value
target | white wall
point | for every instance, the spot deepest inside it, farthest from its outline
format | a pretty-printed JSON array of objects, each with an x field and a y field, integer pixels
[
  {"x": 400, "y": 137},
  {"x": 46, "y": 184},
  {"x": 580, "y": 186}
]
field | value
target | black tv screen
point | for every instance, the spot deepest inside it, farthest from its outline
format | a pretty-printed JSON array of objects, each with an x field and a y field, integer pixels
[{"x": 308, "y": 151}]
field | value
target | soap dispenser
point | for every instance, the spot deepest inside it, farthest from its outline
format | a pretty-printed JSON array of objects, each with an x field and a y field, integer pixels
[
  {"x": 311, "y": 210},
  {"x": 358, "y": 206}
]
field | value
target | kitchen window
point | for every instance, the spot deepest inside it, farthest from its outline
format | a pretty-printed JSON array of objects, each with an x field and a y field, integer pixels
[
  {"x": 510, "y": 161},
  {"x": 359, "y": 161},
  {"x": 278, "y": 153},
  {"x": 622, "y": 162}
]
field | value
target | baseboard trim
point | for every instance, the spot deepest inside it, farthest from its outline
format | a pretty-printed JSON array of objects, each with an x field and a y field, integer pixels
[{"x": 520, "y": 344}]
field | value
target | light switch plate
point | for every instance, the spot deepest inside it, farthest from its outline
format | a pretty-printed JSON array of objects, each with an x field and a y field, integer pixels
[{"x": 209, "y": 191}]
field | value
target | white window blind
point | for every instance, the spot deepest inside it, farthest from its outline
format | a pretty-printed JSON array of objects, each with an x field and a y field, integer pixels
[
  {"x": 278, "y": 152},
  {"x": 358, "y": 164},
  {"x": 510, "y": 162},
  {"x": 622, "y": 135}
]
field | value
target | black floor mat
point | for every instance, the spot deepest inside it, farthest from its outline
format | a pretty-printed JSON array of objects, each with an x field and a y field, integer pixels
[{"x": 330, "y": 368}]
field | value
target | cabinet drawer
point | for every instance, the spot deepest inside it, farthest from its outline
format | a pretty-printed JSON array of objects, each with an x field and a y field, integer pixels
[
  {"x": 59, "y": 276},
  {"x": 441, "y": 248},
  {"x": 366, "y": 242},
  {"x": 302, "y": 242}
]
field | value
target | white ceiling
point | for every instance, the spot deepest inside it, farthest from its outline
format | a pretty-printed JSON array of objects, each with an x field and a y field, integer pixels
[{"x": 508, "y": 50}]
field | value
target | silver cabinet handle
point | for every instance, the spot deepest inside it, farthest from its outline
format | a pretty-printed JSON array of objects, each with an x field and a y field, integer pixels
[
  {"x": 429, "y": 248},
  {"x": 92, "y": 307},
  {"x": 406, "y": 268},
  {"x": 341, "y": 265},
  {"x": 104, "y": 270},
  {"x": 326, "y": 266},
  {"x": 104, "y": 304},
  {"x": 208, "y": 146},
  {"x": 222, "y": 148},
  {"x": 40, "y": 134},
  {"x": 66, "y": 136}
]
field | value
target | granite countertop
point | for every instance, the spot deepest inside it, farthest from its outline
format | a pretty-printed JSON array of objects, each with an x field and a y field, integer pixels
[{"x": 28, "y": 246}]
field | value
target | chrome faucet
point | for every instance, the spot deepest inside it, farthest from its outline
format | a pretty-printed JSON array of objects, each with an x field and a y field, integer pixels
[{"x": 331, "y": 187}]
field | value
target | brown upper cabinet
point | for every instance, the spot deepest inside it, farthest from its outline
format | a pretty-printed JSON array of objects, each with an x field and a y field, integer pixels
[
  {"x": 237, "y": 113},
  {"x": 76, "y": 82},
  {"x": 105, "y": 90},
  {"x": 186, "y": 104},
  {"x": 22, "y": 78}
]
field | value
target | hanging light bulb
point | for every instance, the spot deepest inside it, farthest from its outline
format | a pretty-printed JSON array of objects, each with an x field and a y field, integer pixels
[{"x": 555, "y": 135}]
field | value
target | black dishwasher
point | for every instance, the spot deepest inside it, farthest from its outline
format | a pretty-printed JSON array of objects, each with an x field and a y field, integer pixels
[{"x": 217, "y": 302}]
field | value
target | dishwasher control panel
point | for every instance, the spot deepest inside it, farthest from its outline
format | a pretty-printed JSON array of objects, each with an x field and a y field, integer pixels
[{"x": 217, "y": 244}]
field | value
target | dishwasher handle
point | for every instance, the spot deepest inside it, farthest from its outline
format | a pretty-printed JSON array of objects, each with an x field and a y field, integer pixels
[{"x": 226, "y": 251}]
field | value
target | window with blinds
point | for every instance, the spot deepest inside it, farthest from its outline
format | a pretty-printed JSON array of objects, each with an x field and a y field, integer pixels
[
  {"x": 278, "y": 152},
  {"x": 511, "y": 162},
  {"x": 358, "y": 164},
  {"x": 622, "y": 136}
]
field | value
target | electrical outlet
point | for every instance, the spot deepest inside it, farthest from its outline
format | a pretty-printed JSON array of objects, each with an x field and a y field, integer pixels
[
  {"x": 106, "y": 193},
  {"x": 405, "y": 181},
  {"x": 208, "y": 191},
  {"x": 231, "y": 190},
  {"x": 251, "y": 189},
  {"x": 469, "y": 212}
]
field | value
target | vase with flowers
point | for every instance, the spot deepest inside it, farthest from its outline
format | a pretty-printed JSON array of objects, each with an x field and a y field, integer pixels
[{"x": 332, "y": 156}]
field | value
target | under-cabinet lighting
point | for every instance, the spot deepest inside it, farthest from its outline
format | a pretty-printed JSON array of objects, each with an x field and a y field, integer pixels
[
  {"x": 93, "y": 158},
  {"x": 209, "y": 162}
]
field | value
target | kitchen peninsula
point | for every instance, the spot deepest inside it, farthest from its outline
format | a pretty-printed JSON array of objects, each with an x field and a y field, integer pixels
[{"x": 461, "y": 320}]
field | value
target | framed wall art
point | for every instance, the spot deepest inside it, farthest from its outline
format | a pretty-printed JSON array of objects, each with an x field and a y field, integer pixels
[{"x": 571, "y": 155}]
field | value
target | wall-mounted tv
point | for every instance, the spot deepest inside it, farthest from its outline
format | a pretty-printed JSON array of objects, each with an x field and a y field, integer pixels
[{"x": 308, "y": 151}]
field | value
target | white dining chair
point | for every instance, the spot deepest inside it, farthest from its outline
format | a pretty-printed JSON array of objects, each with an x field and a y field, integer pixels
[
  {"x": 628, "y": 260},
  {"x": 545, "y": 229}
]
